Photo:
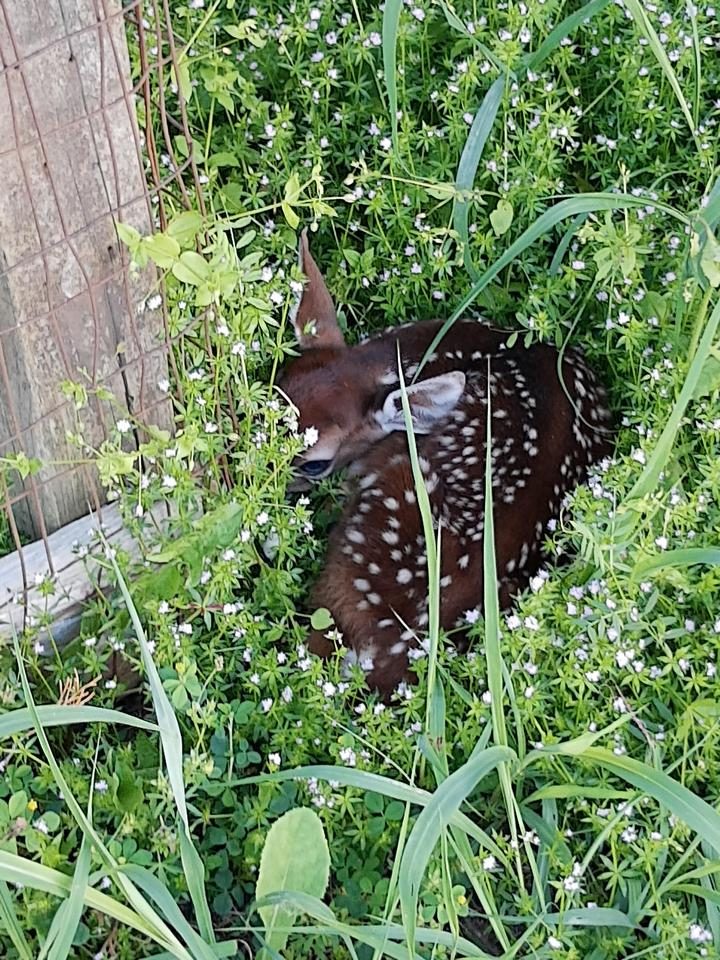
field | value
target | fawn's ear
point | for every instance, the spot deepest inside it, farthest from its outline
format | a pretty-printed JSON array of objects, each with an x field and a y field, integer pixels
[
  {"x": 430, "y": 400},
  {"x": 314, "y": 317}
]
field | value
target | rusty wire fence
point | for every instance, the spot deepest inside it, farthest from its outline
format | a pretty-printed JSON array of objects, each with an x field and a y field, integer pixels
[{"x": 90, "y": 117}]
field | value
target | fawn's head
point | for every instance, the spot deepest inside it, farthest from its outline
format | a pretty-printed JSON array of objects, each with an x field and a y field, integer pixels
[{"x": 350, "y": 395}]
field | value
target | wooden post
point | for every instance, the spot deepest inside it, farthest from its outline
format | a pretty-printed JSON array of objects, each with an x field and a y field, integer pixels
[{"x": 70, "y": 166}]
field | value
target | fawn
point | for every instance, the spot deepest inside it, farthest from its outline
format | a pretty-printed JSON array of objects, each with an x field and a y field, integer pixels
[{"x": 543, "y": 441}]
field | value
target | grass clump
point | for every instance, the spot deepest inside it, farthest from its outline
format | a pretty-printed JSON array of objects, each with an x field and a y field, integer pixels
[{"x": 562, "y": 780}]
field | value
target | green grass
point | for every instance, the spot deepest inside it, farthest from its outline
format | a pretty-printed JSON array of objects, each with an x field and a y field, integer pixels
[{"x": 553, "y": 167}]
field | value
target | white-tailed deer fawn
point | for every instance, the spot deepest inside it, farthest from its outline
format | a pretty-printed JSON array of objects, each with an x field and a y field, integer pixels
[{"x": 543, "y": 440}]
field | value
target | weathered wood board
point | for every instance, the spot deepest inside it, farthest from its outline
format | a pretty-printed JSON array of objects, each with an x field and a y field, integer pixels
[
  {"x": 71, "y": 582},
  {"x": 70, "y": 166}
]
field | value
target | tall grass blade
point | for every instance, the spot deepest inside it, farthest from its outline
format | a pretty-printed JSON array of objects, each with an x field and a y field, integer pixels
[
  {"x": 67, "y": 917},
  {"x": 391, "y": 21},
  {"x": 9, "y": 920},
  {"x": 646, "y": 29},
  {"x": 172, "y": 748},
  {"x": 658, "y": 459},
  {"x": 17, "y": 721},
  {"x": 680, "y": 801},
  {"x": 363, "y": 780},
  {"x": 435, "y": 712},
  {"x": 433, "y": 819},
  {"x": 469, "y": 159},
  {"x": 18, "y": 870},
  {"x": 687, "y": 557},
  {"x": 553, "y": 40},
  {"x": 160, "y": 930},
  {"x": 582, "y": 203},
  {"x": 160, "y": 895}
]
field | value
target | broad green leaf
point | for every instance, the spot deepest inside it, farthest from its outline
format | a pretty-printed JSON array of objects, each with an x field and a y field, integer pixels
[
  {"x": 709, "y": 379},
  {"x": 292, "y": 189},
  {"x": 191, "y": 268},
  {"x": 321, "y": 619},
  {"x": 129, "y": 235},
  {"x": 295, "y": 857},
  {"x": 441, "y": 191},
  {"x": 501, "y": 217},
  {"x": 292, "y": 218},
  {"x": 162, "y": 249},
  {"x": 185, "y": 226}
]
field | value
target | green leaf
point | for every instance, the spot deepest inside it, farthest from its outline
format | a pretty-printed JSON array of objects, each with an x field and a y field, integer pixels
[
  {"x": 502, "y": 217},
  {"x": 391, "y": 21},
  {"x": 16, "y": 721},
  {"x": 162, "y": 249},
  {"x": 292, "y": 189},
  {"x": 129, "y": 792},
  {"x": 321, "y": 619},
  {"x": 292, "y": 218},
  {"x": 470, "y": 158},
  {"x": 67, "y": 917},
  {"x": 433, "y": 819},
  {"x": 680, "y": 801},
  {"x": 128, "y": 235},
  {"x": 441, "y": 191},
  {"x": 295, "y": 858},
  {"x": 191, "y": 268},
  {"x": 223, "y": 159},
  {"x": 185, "y": 226}
]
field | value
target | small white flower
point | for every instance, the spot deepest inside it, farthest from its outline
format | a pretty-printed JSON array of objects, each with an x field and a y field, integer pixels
[
  {"x": 554, "y": 943},
  {"x": 472, "y": 616},
  {"x": 489, "y": 863},
  {"x": 168, "y": 482},
  {"x": 123, "y": 426},
  {"x": 262, "y": 518},
  {"x": 274, "y": 758},
  {"x": 310, "y": 437},
  {"x": 661, "y": 542},
  {"x": 152, "y": 303},
  {"x": 265, "y": 704}
]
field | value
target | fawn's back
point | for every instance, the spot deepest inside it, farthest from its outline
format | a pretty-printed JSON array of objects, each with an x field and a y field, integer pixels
[{"x": 542, "y": 442}]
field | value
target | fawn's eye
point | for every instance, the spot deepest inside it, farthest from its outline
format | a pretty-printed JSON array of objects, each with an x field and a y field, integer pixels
[{"x": 314, "y": 468}]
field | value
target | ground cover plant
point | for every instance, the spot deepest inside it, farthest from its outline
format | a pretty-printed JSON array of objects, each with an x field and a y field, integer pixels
[{"x": 551, "y": 794}]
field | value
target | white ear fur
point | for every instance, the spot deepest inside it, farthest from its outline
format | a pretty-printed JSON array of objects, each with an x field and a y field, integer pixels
[{"x": 430, "y": 400}]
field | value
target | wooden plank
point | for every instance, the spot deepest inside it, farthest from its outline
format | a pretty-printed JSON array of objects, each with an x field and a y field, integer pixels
[
  {"x": 69, "y": 308},
  {"x": 69, "y": 548}
]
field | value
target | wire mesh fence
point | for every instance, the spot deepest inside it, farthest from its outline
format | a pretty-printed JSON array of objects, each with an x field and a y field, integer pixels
[{"x": 88, "y": 137}]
